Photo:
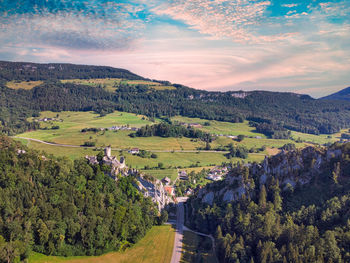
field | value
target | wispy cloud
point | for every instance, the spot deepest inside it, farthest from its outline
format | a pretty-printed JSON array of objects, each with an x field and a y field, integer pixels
[
  {"x": 87, "y": 26},
  {"x": 220, "y": 18},
  {"x": 290, "y": 5},
  {"x": 207, "y": 44}
]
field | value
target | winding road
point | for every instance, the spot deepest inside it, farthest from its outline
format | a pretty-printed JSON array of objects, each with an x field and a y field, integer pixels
[
  {"x": 119, "y": 149},
  {"x": 115, "y": 149},
  {"x": 180, "y": 220}
]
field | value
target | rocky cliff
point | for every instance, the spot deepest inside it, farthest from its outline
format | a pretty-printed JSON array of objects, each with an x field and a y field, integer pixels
[
  {"x": 151, "y": 187},
  {"x": 292, "y": 168}
]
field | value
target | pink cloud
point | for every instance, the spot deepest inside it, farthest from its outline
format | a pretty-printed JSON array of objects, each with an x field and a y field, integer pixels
[{"x": 219, "y": 19}]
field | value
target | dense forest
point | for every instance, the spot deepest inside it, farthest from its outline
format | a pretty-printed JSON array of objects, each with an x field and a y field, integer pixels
[
  {"x": 171, "y": 130},
  {"x": 294, "y": 207},
  {"x": 59, "y": 207},
  {"x": 279, "y": 111},
  {"x": 34, "y": 71},
  {"x": 344, "y": 94}
]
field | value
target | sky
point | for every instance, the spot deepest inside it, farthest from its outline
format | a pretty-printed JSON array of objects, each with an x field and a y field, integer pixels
[{"x": 300, "y": 46}]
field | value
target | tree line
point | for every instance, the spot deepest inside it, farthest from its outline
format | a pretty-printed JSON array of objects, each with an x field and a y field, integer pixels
[
  {"x": 56, "y": 206},
  {"x": 170, "y": 130}
]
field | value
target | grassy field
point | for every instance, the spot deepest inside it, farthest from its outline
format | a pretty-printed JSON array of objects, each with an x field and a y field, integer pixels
[
  {"x": 271, "y": 143},
  {"x": 177, "y": 159},
  {"x": 72, "y": 153},
  {"x": 107, "y": 83},
  {"x": 73, "y": 122},
  {"x": 227, "y": 128},
  {"x": 169, "y": 159},
  {"x": 160, "y": 174},
  {"x": 23, "y": 84},
  {"x": 111, "y": 84},
  {"x": 156, "y": 246},
  {"x": 320, "y": 139},
  {"x": 197, "y": 249},
  {"x": 220, "y": 127}
]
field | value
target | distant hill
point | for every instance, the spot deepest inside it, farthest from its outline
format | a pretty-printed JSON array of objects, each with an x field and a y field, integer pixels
[
  {"x": 344, "y": 94},
  {"x": 270, "y": 112},
  {"x": 34, "y": 71}
]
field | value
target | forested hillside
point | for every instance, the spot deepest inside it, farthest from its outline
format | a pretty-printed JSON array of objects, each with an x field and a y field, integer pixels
[
  {"x": 293, "y": 207},
  {"x": 344, "y": 94},
  {"x": 35, "y": 71},
  {"x": 277, "y": 111},
  {"x": 59, "y": 207}
]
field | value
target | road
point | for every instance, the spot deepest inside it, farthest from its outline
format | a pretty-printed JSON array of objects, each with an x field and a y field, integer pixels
[
  {"x": 180, "y": 220},
  {"x": 118, "y": 149},
  {"x": 115, "y": 149},
  {"x": 177, "y": 250},
  {"x": 202, "y": 234}
]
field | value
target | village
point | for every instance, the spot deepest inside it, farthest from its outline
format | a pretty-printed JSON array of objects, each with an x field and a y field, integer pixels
[{"x": 162, "y": 192}]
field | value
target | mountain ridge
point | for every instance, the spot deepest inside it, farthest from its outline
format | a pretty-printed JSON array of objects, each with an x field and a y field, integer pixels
[
  {"x": 275, "y": 110},
  {"x": 44, "y": 71},
  {"x": 343, "y": 94}
]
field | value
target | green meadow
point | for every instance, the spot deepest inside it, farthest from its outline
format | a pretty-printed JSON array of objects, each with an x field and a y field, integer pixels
[
  {"x": 160, "y": 174},
  {"x": 220, "y": 127},
  {"x": 111, "y": 84},
  {"x": 318, "y": 139},
  {"x": 156, "y": 246},
  {"x": 27, "y": 85},
  {"x": 71, "y": 123}
]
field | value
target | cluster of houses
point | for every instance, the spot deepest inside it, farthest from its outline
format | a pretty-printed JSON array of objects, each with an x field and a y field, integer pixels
[
  {"x": 192, "y": 125},
  {"x": 134, "y": 151},
  {"x": 233, "y": 136},
  {"x": 122, "y": 128},
  {"x": 167, "y": 187},
  {"x": 217, "y": 173},
  {"x": 47, "y": 119}
]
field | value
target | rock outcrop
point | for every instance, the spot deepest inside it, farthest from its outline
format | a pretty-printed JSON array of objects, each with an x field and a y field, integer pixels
[
  {"x": 292, "y": 168},
  {"x": 154, "y": 189}
]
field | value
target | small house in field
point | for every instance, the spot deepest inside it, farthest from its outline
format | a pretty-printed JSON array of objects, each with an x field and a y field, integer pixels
[{"x": 134, "y": 151}]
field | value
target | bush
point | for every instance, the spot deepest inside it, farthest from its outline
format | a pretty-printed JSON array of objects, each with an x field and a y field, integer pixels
[{"x": 89, "y": 144}]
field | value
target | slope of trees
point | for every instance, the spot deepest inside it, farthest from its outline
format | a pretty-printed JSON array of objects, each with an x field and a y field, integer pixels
[
  {"x": 59, "y": 207},
  {"x": 34, "y": 71},
  {"x": 309, "y": 223}
]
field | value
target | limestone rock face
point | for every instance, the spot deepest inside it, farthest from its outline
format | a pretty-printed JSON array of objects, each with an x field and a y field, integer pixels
[
  {"x": 208, "y": 198},
  {"x": 289, "y": 168},
  {"x": 155, "y": 190}
]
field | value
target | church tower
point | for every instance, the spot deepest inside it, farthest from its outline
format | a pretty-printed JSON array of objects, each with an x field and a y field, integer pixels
[{"x": 108, "y": 151}]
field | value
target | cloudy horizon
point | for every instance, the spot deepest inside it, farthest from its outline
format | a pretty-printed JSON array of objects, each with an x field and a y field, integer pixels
[{"x": 294, "y": 46}]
